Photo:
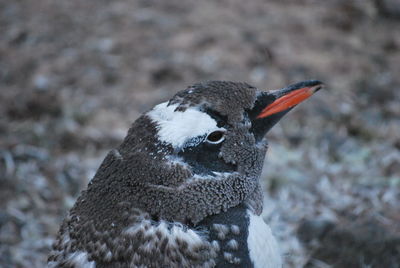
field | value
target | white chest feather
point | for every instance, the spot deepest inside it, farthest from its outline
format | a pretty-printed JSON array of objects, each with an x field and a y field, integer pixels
[{"x": 263, "y": 248}]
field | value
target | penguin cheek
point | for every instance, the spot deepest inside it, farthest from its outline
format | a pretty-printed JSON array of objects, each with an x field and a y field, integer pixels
[
  {"x": 204, "y": 159},
  {"x": 240, "y": 148}
]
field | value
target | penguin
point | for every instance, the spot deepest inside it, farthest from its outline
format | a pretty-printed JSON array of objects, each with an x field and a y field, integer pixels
[{"x": 182, "y": 189}]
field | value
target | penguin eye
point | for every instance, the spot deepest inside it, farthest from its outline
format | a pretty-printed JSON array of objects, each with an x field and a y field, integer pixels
[{"x": 216, "y": 137}]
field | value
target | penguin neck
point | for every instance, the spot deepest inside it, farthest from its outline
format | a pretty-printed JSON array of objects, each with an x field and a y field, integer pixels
[{"x": 230, "y": 230}]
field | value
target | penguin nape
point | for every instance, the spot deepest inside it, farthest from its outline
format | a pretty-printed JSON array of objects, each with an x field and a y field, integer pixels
[{"x": 182, "y": 190}]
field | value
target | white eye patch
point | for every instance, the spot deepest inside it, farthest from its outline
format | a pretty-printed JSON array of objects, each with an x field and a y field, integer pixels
[{"x": 176, "y": 127}]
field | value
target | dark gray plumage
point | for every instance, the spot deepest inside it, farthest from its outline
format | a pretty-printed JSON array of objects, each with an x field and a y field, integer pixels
[{"x": 170, "y": 194}]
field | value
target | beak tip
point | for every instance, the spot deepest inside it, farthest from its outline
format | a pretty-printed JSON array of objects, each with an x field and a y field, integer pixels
[
  {"x": 318, "y": 87},
  {"x": 314, "y": 85}
]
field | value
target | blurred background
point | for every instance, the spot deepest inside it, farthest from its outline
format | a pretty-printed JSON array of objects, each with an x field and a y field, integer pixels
[{"x": 75, "y": 74}]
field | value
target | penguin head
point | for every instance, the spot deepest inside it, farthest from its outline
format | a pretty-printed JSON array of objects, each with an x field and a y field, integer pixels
[
  {"x": 196, "y": 155},
  {"x": 219, "y": 127}
]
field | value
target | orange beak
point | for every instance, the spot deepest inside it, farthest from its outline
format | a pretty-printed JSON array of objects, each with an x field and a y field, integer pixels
[
  {"x": 289, "y": 100},
  {"x": 271, "y": 106}
]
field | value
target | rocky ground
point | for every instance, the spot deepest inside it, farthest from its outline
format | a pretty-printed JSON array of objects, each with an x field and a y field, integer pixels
[{"x": 75, "y": 74}]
